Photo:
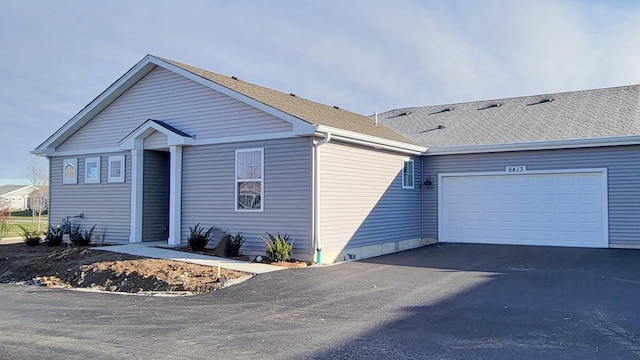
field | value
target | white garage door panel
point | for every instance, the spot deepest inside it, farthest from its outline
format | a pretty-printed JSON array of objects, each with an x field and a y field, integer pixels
[{"x": 560, "y": 209}]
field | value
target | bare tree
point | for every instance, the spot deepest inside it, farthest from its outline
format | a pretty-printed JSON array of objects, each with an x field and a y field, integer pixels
[
  {"x": 4, "y": 221},
  {"x": 40, "y": 196}
]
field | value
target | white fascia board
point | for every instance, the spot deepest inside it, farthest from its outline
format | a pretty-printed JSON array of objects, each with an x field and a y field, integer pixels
[
  {"x": 299, "y": 126},
  {"x": 373, "y": 141},
  {"x": 137, "y": 72},
  {"x": 538, "y": 145},
  {"x": 19, "y": 189},
  {"x": 128, "y": 143},
  {"x": 245, "y": 138},
  {"x": 51, "y": 152}
]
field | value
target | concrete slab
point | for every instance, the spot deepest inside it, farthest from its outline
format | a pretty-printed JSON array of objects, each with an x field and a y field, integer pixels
[{"x": 151, "y": 251}]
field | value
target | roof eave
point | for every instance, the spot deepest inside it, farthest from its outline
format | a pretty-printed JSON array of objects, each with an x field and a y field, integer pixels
[
  {"x": 372, "y": 141},
  {"x": 538, "y": 145}
]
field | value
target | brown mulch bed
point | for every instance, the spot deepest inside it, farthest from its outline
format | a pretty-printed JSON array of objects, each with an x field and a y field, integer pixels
[
  {"x": 219, "y": 251},
  {"x": 81, "y": 267}
]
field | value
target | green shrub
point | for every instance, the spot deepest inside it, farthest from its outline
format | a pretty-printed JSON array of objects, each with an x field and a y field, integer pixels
[
  {"x": 279, "y": 247},
  {"x": 198, "y": 237},
  {"x": 31, "y": 237},
  {"x": 54, "y": 236},
  {"x": 233, "y": 244},
  {"x": 81, "y": 238}
]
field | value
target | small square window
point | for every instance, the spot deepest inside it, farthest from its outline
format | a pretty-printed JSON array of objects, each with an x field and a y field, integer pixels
[
  {"x": 92, "y": 170},
  {"x": 407, "y": 174},
  {"x": 116, "y": 169},
  {"x": 70, "y": 171}
]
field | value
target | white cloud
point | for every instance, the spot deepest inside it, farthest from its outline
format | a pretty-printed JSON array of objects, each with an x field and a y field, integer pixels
[{"x": 359, "y": 55}]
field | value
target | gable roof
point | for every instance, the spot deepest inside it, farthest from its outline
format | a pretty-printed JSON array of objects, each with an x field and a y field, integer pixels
[
  {"x": 315, "y": 116},
  {"x": 7, "y": 189},
  {"x": 306, "y": 110},
  {"x": 577, "y": 115}
]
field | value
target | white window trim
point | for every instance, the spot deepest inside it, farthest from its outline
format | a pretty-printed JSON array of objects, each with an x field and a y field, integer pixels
[
  {"x": 236, "y": 180},
  {"x": 119, "y": 179},
  {"x": 413, "y": 174},
  {"x": 87, "y": 161},
  {"x": 73, "y": 162}
]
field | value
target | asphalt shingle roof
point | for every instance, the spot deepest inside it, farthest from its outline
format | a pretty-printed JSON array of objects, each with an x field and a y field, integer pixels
[
  {"x": 584, "y": 114},
  {"x": 303, "y": 109},
  {"x": 9, "y": 188}
]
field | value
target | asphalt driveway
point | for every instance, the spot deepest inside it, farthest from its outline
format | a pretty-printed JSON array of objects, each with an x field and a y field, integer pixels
[{"x": 437, "y": 302}]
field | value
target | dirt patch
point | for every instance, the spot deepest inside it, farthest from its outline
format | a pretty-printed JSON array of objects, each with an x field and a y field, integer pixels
[{"x": 104, "y": 270}]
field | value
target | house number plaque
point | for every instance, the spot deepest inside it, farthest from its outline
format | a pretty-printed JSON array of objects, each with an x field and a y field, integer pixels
[{"x": 516, "y": 169}]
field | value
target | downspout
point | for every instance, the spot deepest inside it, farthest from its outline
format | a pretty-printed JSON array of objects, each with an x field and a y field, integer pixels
[
  {"x": 316, "y": 196},
  {"x": 422, "y": 199}
]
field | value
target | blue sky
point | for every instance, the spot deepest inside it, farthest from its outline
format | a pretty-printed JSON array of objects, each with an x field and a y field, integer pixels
[{"x": 364, "y": 56}]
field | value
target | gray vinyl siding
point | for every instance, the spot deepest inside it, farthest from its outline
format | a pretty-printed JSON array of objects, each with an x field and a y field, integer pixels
[
  {"x": 105, "y": 205},
  {"x": 208, "y": 192},
  {"x": 179, "y": 102},
  {"x": 622, "y": 163},
  {"x": 157, "y": 140},
  {"x": 155, "y": 202},
  {"x": 362, "y": 201}
]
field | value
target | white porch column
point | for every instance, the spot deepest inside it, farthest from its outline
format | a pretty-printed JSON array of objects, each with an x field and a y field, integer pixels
[
  {"x": 175, "y": 195},
  {"x": 137, "y": 176}
]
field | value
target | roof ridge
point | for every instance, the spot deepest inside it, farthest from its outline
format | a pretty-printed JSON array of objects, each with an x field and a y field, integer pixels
[{"x": 512, "y": 98}]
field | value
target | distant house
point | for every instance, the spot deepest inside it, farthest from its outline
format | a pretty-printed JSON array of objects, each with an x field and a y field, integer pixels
[
  {"x": 169, "y": 145},
  {"x": 16, "y": 197}
]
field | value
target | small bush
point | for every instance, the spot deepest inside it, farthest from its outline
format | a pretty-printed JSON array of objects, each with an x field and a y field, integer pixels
[
  {"x": 279, "y": 247},
  {"x": 233, "y": 244},
  {"x": 4, "y": 223},
  {"x": 54, "y": 236},
  {"x": 81, "y": 238},
  {"x": 198, "y": 237},
  {"x": 31, "y": 237}
]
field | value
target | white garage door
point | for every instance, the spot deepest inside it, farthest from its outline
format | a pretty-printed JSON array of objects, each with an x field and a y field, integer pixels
[{"x": 559, "y": 209}]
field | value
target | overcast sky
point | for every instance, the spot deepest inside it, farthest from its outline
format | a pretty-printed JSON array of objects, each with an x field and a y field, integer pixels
[{"x": 364, "y": 56}]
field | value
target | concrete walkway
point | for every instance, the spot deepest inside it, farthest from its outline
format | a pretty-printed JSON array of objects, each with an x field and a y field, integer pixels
[{"x": 150, "y": 250}]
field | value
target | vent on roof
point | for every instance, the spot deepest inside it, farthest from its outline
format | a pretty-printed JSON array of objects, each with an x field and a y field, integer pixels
[
  {"x": 335, "y": 107},
  {"x": 491, "y": 106},
  {"x": 404, "y": 113},
  {"x": 234, "y": 78},
  {"x": 292, "y": 94},
  {"x": 434, "y": 128},
  {"x": 442, "y": 111},
  {"x": 543, "y": 101}
]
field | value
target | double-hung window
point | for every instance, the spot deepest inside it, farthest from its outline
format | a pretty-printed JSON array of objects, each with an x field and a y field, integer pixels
[
  {"x": 407, "y": 174},
  {"x": 249, "y": 179}
]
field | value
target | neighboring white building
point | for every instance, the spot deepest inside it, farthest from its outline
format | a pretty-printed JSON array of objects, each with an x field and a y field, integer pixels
[{"x": 16, "y": 197}]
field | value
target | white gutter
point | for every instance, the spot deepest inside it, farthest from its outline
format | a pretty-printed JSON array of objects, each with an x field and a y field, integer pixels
[
  {"x": 316, "y": 195},
  {"x": 538, "y": 145},
  {"x": 371, "y": 141}
]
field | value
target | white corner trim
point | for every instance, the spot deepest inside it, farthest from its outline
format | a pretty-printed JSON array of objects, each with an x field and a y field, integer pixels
[
  {"x": 175, "y": 195},
  {"x": 372, "y": 141},
  {"x": 137, "y": 177},
  {"x": 538, "y": 145}
]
